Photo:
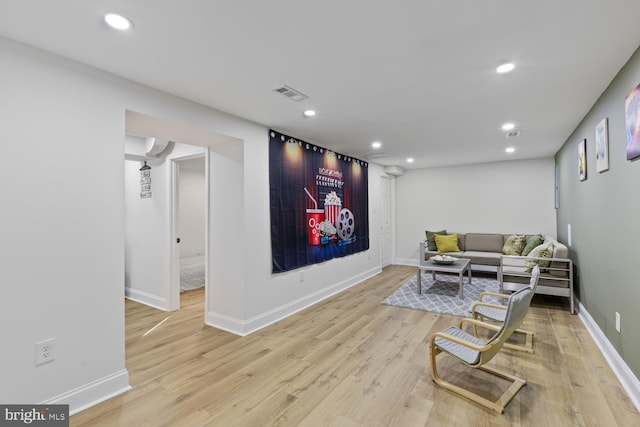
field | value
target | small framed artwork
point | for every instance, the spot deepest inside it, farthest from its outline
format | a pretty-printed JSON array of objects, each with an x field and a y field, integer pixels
[
  {"x": 632, "y": 122},
  {"x": 602, "y": 146},
  {"x": 145, "y": 180},
  {"x": 582, "y": 159},
  {"x": 145, "y": 187},
  {"x": 145, "y": 172}
]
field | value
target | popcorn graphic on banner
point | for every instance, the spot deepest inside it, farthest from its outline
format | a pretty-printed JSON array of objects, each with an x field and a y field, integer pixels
[
  {"x": 332, "y": 199},
  {"x": 332, "y": 206}
]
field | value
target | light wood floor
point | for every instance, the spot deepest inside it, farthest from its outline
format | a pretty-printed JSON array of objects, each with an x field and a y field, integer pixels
[{"x": 350, "y": 361}]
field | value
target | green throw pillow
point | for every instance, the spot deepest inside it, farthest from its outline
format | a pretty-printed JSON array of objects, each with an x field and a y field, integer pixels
[
  {"x": 431, "y": 243},
  {"x": 448, "y": 243},
  {"x": 514, "y": 244},
  {"x": 545, "y": 250},
  {"x": 532, "y": 242}
]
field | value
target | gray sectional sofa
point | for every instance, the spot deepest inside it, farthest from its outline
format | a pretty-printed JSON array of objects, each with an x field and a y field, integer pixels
[{"x": 485, "y": 252}]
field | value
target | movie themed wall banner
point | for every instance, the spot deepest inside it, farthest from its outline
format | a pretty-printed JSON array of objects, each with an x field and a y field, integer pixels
[{"x": 319, "y": 203}]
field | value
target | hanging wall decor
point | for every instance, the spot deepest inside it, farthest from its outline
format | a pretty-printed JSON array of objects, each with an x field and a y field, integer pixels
[
  {"x": 145, "y": 181},
  {"x": 632, "y": 121},
  {"x": 582, "y": 159},
  {"x": 319, "y": 203},
  {"x": 602, "y": 146}
]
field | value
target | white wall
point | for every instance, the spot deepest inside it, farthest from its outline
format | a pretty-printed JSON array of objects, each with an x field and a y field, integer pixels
[
  {"x": 63, "y": 212},
  {"x": 62, "y": 256},
  {"x": 253, "y": 296},
  {"x": 502, "y": 197},
  {"x": 192, "y": 205}
]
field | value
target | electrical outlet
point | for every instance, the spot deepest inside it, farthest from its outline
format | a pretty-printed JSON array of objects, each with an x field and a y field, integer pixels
[
  {"x": 618, "y": 322},
  {"x": 45, "y": 351}
]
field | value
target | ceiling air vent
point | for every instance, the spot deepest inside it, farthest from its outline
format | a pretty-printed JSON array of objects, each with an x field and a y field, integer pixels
[
  {"x": 290, "y": 93},
  {"x": 514, "y": 133}
]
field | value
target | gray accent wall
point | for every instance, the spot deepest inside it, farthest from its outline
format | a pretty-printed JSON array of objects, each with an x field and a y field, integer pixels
[{"x": 602, "y": 212}]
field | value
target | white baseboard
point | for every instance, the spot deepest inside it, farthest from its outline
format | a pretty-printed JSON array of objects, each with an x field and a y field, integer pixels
[
  {"x": 246, "y": 327},
  {"x": 93, "y": 393},
  {"x": 626, "y": 377},
  {"x": 147, "y": 299}
]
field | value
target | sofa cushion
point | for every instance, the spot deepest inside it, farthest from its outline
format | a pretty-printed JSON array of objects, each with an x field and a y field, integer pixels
[
  {"x": 483, "y": 242},
  {"x": 532, "y": 242},
  {"x": 448, "y": 243},
  {"x": 514, "y": 244},
  {"x": 483, "y": 258},
  {"x": 544, "y": 250},
  {"x": 460, "y": 241},
  {"x": 431, "y": 242}
]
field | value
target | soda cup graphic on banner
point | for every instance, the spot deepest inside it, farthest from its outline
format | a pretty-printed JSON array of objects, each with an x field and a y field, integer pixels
[
  {"x": 314, "y": 218},
  {"x": 331, "y": 213}
]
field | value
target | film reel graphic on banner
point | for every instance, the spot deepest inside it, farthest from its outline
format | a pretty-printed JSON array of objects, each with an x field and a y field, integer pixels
[{"x": 345, "y": 224}]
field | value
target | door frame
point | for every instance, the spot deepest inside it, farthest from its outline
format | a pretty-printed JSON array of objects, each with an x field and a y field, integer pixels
[
  {"x": 174, "y": 249},
  {"x": 389, "y": 249}
]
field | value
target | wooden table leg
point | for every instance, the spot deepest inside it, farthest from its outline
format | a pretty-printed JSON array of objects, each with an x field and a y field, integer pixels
[{"x": 419, "y": 281}]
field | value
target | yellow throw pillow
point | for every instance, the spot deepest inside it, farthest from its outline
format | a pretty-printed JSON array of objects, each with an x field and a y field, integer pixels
[
  {"x": 448, "y": 243},
  {"x": 431, "y": 243}
]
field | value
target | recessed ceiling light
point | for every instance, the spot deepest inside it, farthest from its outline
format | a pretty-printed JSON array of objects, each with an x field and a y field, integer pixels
[
  {"x": 508, "y": 126},
  {"x": 510, "y": 149},
  {"x": 118, "y": 22},
  {"x": 505, "y": 68},
  {"x": 376, "y": 144},
  {"x": 410, "y": 160},
  {"x": 309, "y": 113}
]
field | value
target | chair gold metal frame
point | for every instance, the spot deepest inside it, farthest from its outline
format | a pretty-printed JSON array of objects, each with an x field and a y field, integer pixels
[{"x": 476, "y": 352}]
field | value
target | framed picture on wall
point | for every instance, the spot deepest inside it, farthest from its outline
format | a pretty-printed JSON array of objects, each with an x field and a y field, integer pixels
[
  {"x": 582, "y": 159},
  {"x": 602, "y": 146},
  {"x": 632, "y": 122}
]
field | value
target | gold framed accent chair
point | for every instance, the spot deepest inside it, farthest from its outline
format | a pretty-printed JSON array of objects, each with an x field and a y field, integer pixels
[{"x": 476, "y": 352}]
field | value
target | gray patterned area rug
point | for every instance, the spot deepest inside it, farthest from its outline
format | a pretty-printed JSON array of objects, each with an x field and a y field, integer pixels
[{"x": 441, "y": 295}]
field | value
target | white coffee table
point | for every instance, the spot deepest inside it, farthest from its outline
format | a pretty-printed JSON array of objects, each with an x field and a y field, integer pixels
[{"x": 459, "y": 266}]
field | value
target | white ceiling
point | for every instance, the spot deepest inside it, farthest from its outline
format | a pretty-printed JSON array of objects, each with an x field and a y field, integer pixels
[{"x": 419, "y": 75}]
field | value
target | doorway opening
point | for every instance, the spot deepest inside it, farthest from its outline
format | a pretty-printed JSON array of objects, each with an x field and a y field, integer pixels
[
  {"x": 189, "y": 178},
  {"x": 152, "y": 252}
]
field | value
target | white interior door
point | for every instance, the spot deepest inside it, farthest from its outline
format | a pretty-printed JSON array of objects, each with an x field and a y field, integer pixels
[{"x": 385, "y": 221}]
